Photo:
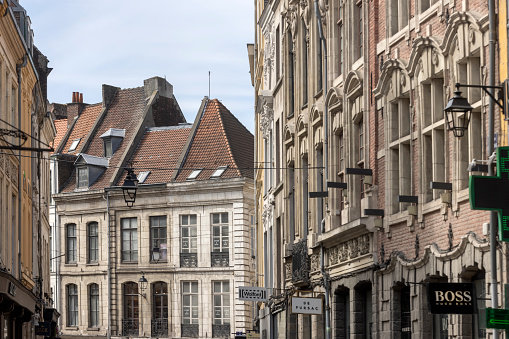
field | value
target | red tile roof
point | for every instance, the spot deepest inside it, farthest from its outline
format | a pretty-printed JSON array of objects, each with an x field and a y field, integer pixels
[
  {"x": 82, "y": 126},
  {"x": 219, "y": 140},
  {"x": 158, "y": 152},
  {"x": 61, "y": 126}
]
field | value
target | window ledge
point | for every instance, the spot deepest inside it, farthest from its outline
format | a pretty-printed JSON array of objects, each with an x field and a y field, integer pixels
[
  {"x": 72, "y": 328},
  {"x": 71, "y": 264},
  {"x": 153, "y": 262},
  {"x": 396, "y": 37},
  {"x": 429, "y": 12},
  {"x": 93, "y": 329},
  {"x": 432, "y": 206},
  {"x": 129, "y": 262},
  {"x": 93, "y": 264}
]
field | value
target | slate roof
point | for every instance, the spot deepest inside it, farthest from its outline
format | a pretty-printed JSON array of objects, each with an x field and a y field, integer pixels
[
  {"x": 61, "y": 126},
  {"x": 82, "y": 126},
  {"x": 159, "y": 151},
  {"x": 219, "y": 140}
]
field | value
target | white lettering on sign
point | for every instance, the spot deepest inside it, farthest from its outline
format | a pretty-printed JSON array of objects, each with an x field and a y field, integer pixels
[{"x": 307, "y": 305}]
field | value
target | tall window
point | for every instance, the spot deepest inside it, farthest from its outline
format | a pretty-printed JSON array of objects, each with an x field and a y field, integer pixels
[
  {"x": 93, "y": 291},
  {"x": 405, "y": 313},
  {"x": 72, "y": 242},
  {"x": 72, "y": 305},
  {"x": 425, "y": 4},
  {"x": 278, "y": 152},
  {"x": 190, "y": 315},
  {"x": 441, "y": 326},
  {"x": 160, "y": 301},
  {"x": 319, "y": 187},
  {"x": 398, "y": 15},
  {"x": 342, "y": 314},
  {"x": 189, "y": 241},
  {"x": 319, "y": 61},
  {"x": 130, "y": 323},
  {"x": 220, "y": 239},
  {"x": 291, "y": 201},
  {"x": 479, "y": 319},
  {"x": 433, "y": 135},
  {"x": 278, "y": 57},
  {"x": 93, "y": 242},
  {"x": 304, "y": 50},
  {"x": 340, "y": 38},
  {"x": 360, "y": 28},
  {"x": 82, "y": 177},
  {"x": 291, "y": 75},
  {"x": 305, "y": 197},
  {"x": 129, "y": 239},
  {"x": 158, "y": 236},
  {"x": 221, "y": 296},
  {"x": 399, "y": 157},
  {"x": 341, "y": 170},
  {"x": 108, "y": 149}
]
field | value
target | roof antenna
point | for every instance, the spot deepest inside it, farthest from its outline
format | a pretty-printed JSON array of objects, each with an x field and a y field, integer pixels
[{"x": 209, "y": 84}]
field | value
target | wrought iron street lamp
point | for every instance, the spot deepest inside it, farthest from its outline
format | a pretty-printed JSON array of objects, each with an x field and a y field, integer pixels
[
  {"x": 143, "y": 284},
  {"x": 156, "y": 255},
  {"x": 130, "y": 187}
]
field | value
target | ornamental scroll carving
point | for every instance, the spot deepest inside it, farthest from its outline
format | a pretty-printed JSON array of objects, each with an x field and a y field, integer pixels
[
  {"x": 266, "y": 118},
  {"x": 268, "y": 210},
  {"x": 288, "y": 271},
  {"x": 348, "y": 250},
  {"x": 269, "y": 52},
  {"x": 315, "y": 262}
]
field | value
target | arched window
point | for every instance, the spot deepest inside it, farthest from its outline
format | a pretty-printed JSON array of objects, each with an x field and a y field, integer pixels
[
  {"x": 159, "y": 309},
  {"x": 72, "y": 305},
  {"x": 93, "y": 300},
  {"x": 130, "y": 323}
]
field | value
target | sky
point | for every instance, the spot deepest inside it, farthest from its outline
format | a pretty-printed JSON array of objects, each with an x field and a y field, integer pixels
[{"x": 123, "y": 42}]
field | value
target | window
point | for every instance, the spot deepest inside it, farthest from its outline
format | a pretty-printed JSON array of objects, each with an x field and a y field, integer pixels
[
  {"x": 440, "y": 326},
  {"x": 158, "y": 236},
  {"x": 221, "y": 302},
  {"x": 405, "y": 313},
  {"x": 74, "y": 145},
  {"x": 219, "y": 172},
  {"x": 278, "y": 50},
  {"x": 342, "y": 314},
  {"x": 398, "y": 15},
  {"x": 291, "y": 75},
  {"x": 142, "y": 176},
  {"x": 341, "y": 172},
  {"x": 72, "y": 305},
  {"x": 160, "y": 309},
  {"x": 360, "y": 32},
  {"x": 433, "y": 136},
  {"x": 93, "y": 291},
  {"x": 220, "y": 240},
  {"x": 108, "y": 149},
  {"x": 82, "y": 179},
  {"x": 93, "y": 242},
  {"x": 130, "y": 323},
  {"x": 129, "y": 239},
  {"x": 319, "y": 188},
  {"x": 305, "y": 197},
  {"x": 72, "y": 241},
  {"x": 304, "y": 51},
  {"x": 190, "y": 302},
  {"x": 291, "y": 201},
  {"x": 189, "y": 241},
  {"x": 340, "y": 38},
  {"x": 363, "y": 310},
  {"x": 479, "y": 319},
  {"x": 425, "y": 4},
  {"x": 194, "y": 174}
]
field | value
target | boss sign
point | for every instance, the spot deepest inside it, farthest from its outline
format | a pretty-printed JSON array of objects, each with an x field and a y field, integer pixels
[{"x": 452, "y": 298}]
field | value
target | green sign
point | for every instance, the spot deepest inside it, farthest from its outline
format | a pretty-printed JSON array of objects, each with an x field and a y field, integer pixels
[
  {"x": 497, "y": 318},
  {"x": 492, "y": 192}
]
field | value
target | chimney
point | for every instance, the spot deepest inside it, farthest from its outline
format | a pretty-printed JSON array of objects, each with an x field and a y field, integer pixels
[{"x": 74, "y": 108}]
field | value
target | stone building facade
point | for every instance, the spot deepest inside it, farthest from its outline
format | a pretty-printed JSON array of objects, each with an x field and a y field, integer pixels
[
  {"x": 168, "y": 266},
  {"x": 368, "y": 113}
]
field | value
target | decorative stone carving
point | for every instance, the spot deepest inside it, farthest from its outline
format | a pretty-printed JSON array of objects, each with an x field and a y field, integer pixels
[
  {"x": 363, "y": 244},
  {"x": 266, "y": 118},
  {"x": 315, "y": 262},
  {"x": 268, "y": 210},
  {"x": 471, "y": 34},
  {"x": 269, "y": 52},
  {"x": 350, "y": 249},
  {"x": 288, "y": 271},
  {"x": 2, "y": 160},
  {"x": 434, "y": 57},
  {"x": 14, "y": 174}
]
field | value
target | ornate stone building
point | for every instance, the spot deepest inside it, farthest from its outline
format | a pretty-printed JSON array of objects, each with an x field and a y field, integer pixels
[{"x": 348, "y": 141}]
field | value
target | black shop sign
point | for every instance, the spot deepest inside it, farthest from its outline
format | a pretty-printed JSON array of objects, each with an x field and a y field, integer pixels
[{"x": 452, "y": 298}]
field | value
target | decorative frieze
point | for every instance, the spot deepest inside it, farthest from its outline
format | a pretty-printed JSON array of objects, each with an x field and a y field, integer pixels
[
  {"x": 288, "y": 271},
  {"x": 350, "y": 249},
  {"x": 315, "y": 262}
]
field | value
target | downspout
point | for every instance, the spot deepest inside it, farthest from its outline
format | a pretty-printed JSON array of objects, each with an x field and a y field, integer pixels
[
  {"x": 326, "y": 167},
  {"x": 491, "y": 134},
  {"x": 20, "y": 181},
  {"x": 507, "y": 64},
  {"x": 109, "y": 263}
]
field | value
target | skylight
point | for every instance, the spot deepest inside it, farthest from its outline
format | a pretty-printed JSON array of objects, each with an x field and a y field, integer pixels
[
  {"x": 74, "y": 145},
  {"x": 142, "y": 176},
  {"x": 194, "y": 174},
  {"x": 219, "y": 172}
]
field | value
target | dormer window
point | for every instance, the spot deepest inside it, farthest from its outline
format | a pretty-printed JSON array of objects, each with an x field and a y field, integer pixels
[
  {"x": 143, "y": 176},
  {"x": 112, "y": 139},
  {"x": 219, "y": 172},
  {"x": 82, "y": 179},
  {"x": 74, "y": 145},
  {"x": 194, "y": 174}
]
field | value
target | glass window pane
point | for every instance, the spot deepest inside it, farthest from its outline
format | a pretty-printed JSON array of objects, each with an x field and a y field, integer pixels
[
  {"x": 192, "y": 220},
  {"x": 215, "y": 218},
  {"x": 224, "y": 218}
]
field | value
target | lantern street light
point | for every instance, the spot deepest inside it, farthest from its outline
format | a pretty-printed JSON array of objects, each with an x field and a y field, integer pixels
[
  {"x": 130, "y": 186},
  {"x": 156, "y": 255},
  {"x": 143, "y": 284}
]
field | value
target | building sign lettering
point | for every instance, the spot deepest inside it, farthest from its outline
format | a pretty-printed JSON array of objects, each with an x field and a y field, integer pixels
[
  {"x": 306, "y": 305},
  {"x": 452, "y": 298}
]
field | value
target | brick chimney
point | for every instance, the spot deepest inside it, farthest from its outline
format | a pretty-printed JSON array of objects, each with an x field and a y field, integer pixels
[{"x": 74, "y": 108}]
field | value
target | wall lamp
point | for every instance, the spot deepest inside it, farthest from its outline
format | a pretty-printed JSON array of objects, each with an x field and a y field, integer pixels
[
  {"x": 156, "y": 254},
  {"x": 458, "y": 110},
  {"x": 143, "y": 282},
  {"x": 130, "y": 187}
]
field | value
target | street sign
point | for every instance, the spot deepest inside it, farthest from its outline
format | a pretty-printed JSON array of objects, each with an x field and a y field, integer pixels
[
  {"x": 497, "y": 318},
  {"x": 451, "y": 298},
  {"x": 492, "y": 193},
  {"x": 307, "y": 305},
  {"x": 248, "y": 293}
]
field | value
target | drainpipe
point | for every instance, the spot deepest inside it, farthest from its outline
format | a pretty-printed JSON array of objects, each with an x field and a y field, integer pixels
[
  {"x": 326, "y": 167},
  {"x": 109, "y": 263},
  {"x": 20, "y": 181}
]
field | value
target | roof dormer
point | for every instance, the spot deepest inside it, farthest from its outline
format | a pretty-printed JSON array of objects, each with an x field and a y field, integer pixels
[
  {"x": 89, "y": 169},
  {"x": 112, "y": 139}
]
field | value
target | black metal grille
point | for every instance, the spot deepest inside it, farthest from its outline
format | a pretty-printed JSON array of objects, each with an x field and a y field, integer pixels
[
  {"x": 221, "y": 331},
  {"x": 220, "y": 259},
  {"x": 406, "y": 321},
  {"x": 130, "y": 327},
  {"x": 160, "y": 327},
  {"x": 190, "y": 330},
  {"x": 188, "y": 259},
  {"x": 300, "y": 262}
]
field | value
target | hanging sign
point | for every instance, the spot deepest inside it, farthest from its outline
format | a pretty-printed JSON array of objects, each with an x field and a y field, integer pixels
[
  {"x": 307, "y": 305},
  {"x": 452, "y": 298},
  {"x": 248, "y": 293}
]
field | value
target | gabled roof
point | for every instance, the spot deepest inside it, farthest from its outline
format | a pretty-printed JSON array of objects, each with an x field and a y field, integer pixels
[
  {"x": 82, "y": 126},
  {"x": 219, "y": 139},
  {"x": 114, "y": 132},
  {"x": 91, "y": 160},
  {"x": 159, "y": 151},
  {"x": 61, "y": 127}
]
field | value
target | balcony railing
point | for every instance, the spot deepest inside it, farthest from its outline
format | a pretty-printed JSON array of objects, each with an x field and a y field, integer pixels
[
  {"x": 221, "y": 331},
  {"x": 130, "y": 327},
  {"x": 188, "y": 259},
  {"x": 220, "y": 259},
  {"x": 190, "y": 330},
  {"x": 300, "y": 263},
  {"x": 159, "y": 327}
]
